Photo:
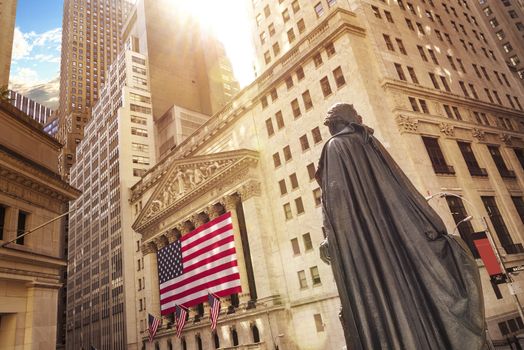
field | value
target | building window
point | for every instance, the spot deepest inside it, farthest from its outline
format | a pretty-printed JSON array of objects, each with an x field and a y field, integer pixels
[
  {"x": 308, "y": 244},
  {"x": 289, "y": 82},
  {"x": 317, "y": 137},
  {"x": 295, "y": 6},
  {"x": 21, "y": 226},
  {"x": 319, "y": 324},
  {"x": 519, "y": 153},
  {"x": 300, "y": 73},
  {"x": 324, "y": 85},
  {"x": 295, "y": 108},
  {"x": 274, "y": 95},
  {"x": 330, "y": 50},
  {"x": 519, "y": 205},
  {"x": 269, "y": 127},
  {"x": 471, "y": 160},
  {"x": 302, "y": 281},
  {"x": 300, "y": 205},
  {"x": 317, "y": 59},
  {"x": 294, "y": 181},
  {"x": 465, "y": 228},
  {"x": 412, "y": 74},
  {"x": 276, "y": 49},
  {"x": 319, "y": 10},
  {"x": 317, "y": 196},
  {"x": 401, "y": 47},
  {"x": 499, "y": 162},
  {"x": 389, "y": 17},
  {"x": 282, "y": 186},
  {"x": 306, "y": 97},
  {"x": 285, "y": 15},
  {"x": 304, "y": 143},
  {"x": 276, "y": 160},
  {"x": 287, "y": 153},
  {"x": 499, "y": 225},
  {"x": 437, "y": 158},
  {"x": 280, "y": 120},
  {"x": 287, "y": 211},
  {"x": 315, "y": 276},
  {"x": 301, "y": 25},
  {"x": 422, "y": 53},
  {"x": 140, "y": 160},
  {"x": 376, "y": 12},
  {"x": 388, "y": 42},
  {"x": 339, "y": 77},
  {"x": 295, "y": 246},
  {"x": 2, "y": 221},
  {"x": 311, "y": 171},
  {"x": 291, "y": 35},
  {"x": 256, "y": 334},
  {"x": 400, "y": 72}
]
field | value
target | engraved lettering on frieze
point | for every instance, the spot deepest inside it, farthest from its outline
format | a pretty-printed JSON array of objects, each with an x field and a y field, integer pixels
[
  {"x": 479, "y": 134},
  {"x": 447, "y": 129},
  {"x": 406, "y": 124}
]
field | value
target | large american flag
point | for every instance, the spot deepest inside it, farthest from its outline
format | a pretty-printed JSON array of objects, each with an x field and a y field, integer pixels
[{"x": 200, "y": 262}]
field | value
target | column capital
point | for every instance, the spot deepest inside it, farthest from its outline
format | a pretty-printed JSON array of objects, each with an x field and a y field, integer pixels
[
  {"x": 230, "y": 202},
  {"x": 161, "y": 241},
  {"x": 252, "y": 188},
  {"x": 172, "y": 235},
  {"x": 149, "y": 248},
  {"x": 200, "y": 219},
  {"x": 214, "y": 211}
]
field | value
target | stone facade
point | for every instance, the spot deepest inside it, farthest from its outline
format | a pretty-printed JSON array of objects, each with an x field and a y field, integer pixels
[
  {"x": 408, "y": 74},
  {"x": 7, "y": 27},
  {"x": 31, "y": 268}
]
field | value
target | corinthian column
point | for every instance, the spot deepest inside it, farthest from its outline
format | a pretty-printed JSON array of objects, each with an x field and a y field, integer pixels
[{"x": 152, "y": 292}]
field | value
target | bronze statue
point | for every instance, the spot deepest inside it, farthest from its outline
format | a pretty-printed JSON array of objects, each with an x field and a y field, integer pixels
[{"x": 404, "y": 283}]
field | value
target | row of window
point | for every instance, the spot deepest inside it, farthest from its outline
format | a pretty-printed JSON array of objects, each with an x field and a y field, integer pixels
[
  {"x": 315, "y": 277},
  {"x": 21, "y": 223}
]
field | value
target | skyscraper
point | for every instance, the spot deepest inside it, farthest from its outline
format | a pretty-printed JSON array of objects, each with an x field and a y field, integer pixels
[
  {"x": 505, "y": 19},
  {"x": 190, "y": 76},
  {"x": 440, "y": 98},
  {"x": 90, "y": 42},
  {"x": 7, "y": 27}
]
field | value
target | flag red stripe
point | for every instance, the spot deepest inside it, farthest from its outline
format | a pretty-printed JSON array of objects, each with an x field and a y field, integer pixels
[
  {"x": 208, "y": 248},
  {"x": 210, "y": 259},
  {"x": 210, "y": 235},
  {"x": 206, "y": 226},
  {"x": 202, "y": 286},
  {"x": 198, "y": 276}
]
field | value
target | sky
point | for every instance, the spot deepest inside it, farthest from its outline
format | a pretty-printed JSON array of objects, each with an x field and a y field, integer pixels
[{"x": 35, "y": 65}]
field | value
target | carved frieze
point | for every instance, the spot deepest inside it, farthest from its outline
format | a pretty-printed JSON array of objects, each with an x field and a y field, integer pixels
[
  {"x": 250, "y": 189},
  {"x": 406, "y": 124},
  {"x": 506, "y": 138},
  {"x": 149, "y": 248},
  {"x": 190, "y": 178},
  {"x": 447, "y": 129},
  {"x": 480, "y": 135}
]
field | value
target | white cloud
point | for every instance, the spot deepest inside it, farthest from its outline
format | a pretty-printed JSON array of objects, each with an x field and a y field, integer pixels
[
  {"x": 25, "y": 45},
  {"x": 45, "y": 93},
  {"x": 21, "y": 47},
  {"x": 25, "y": 76}
]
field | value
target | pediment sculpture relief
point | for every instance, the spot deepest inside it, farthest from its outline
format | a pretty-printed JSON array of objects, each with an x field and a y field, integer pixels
[{"x": 183, "y": 180}]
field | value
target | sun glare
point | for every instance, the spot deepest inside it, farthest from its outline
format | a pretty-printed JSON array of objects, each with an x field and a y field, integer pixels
[{"x": 228, "y": 19}]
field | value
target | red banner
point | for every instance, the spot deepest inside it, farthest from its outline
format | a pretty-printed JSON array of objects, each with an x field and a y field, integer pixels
[{"x": 487, "y": 254}]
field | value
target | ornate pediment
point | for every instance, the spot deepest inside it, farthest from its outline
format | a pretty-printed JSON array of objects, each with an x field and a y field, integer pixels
[{"x": 188, "y": 178}]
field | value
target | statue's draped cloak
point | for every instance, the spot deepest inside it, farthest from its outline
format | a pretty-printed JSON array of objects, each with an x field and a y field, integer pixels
[{"x": 403, "y": 282}]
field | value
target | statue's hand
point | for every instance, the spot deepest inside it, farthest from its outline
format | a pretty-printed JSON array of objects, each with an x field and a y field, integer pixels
[{"x": 324, "y": 251}]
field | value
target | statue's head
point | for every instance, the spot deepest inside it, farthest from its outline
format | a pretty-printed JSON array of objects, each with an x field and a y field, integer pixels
[{"x": 339, "y": 116}]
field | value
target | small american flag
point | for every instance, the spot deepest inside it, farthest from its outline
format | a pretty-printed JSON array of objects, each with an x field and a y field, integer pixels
[
  {"x": 154, "y": 323},
  {"x": 180, "y": 319},
  {"x": 201, "y": 261},
  {"x": 214, "y": 304}
]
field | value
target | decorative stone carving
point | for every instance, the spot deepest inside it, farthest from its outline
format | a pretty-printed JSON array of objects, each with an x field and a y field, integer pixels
[
  {"x": 406, "y": 124},
  {"x": 161, "y": 242},
  {"x": 200, "y": 219},
  {"x": 172, "y": 235},
  {"x": 214, "y": 211},
  {"x": 480, "y": 135},
  {"x": 507, "y": 139},
  {"x": 250, "y": 189},
  {"x": 183, "y": 180},
  {"x": 149, "y": 248},
  {"x": 230, "y": 202},
  {"x": 447, "y": 129}
]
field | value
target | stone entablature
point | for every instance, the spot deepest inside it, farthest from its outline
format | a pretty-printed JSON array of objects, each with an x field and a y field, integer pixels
[{"x": 190, "y": 178}]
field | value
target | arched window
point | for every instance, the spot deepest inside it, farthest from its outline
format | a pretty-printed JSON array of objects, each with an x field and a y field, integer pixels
[
  {"x": 256, "y": 334},
  {"x": 216, "y": 339},
  {"x": 234, "y": 336},
  {"x": 199, "y": 342}
]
